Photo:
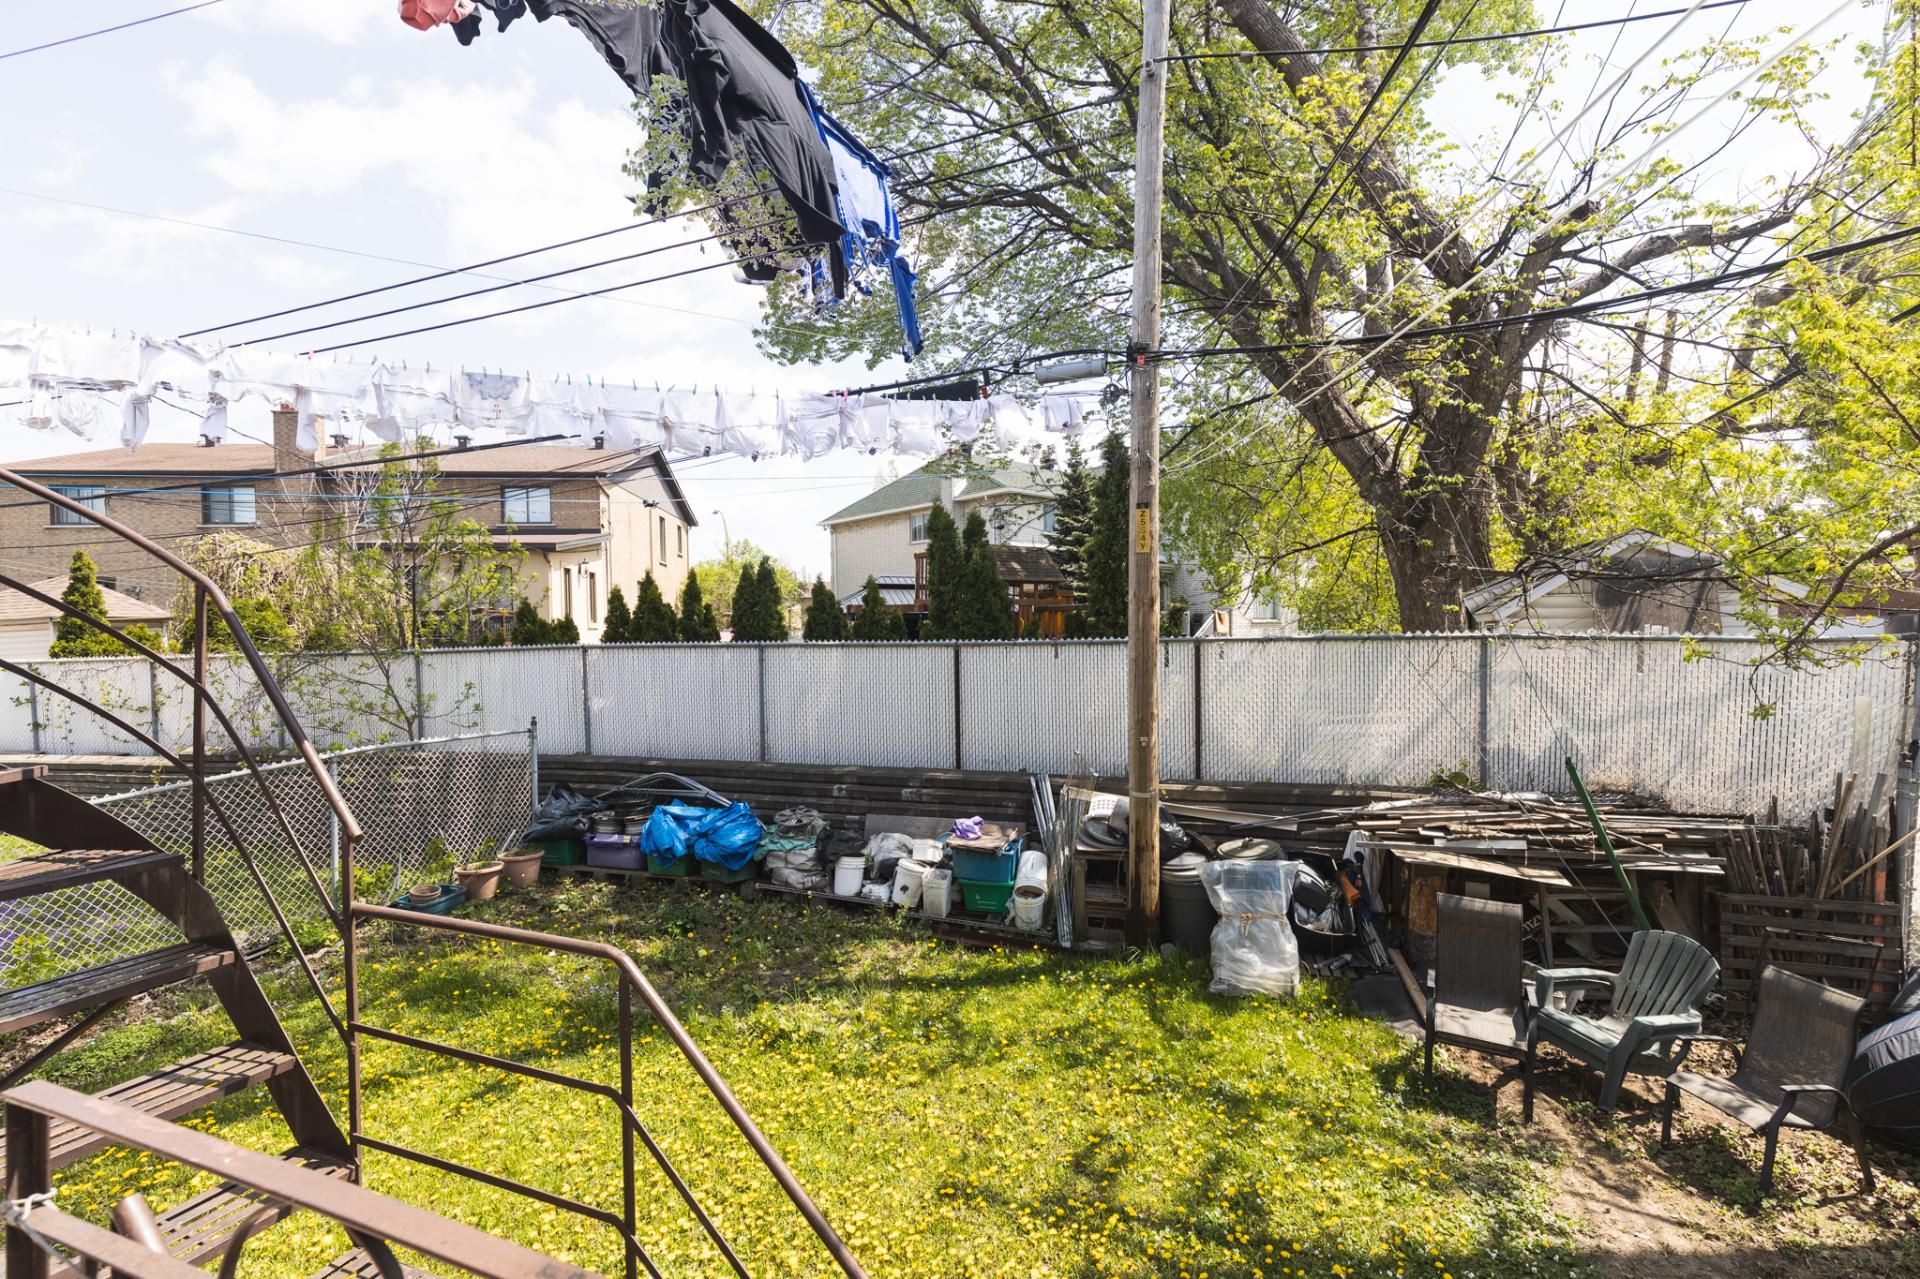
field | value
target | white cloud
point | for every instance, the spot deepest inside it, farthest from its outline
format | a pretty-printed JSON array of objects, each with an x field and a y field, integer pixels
[{"x": 336, "y": 21}]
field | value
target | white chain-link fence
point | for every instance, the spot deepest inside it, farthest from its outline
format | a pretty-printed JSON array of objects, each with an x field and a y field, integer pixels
[
  {"x": 1702, "y": 724},
  {"x": 422, "y": 806}
]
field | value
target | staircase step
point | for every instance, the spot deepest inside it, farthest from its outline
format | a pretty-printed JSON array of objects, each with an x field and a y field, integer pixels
[
  {"x": 70, "y": 867},
  {"x": 173, "y": 1091},
  {"x": 102, "y": 984},
  {"x": 358, "y": 1265},
  {"x": 204, "y": 1225}
]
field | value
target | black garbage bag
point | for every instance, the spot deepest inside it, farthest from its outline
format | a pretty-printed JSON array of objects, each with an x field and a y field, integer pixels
[
  {"x": 563, "y": 814},
  {"x": 1174, "y": 839}
]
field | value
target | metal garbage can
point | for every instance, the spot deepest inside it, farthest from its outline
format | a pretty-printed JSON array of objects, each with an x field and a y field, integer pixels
[{"x": 1187, "y": 917}]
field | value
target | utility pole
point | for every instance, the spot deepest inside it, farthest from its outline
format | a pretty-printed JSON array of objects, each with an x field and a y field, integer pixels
[{"x": 1143, "y": 563}]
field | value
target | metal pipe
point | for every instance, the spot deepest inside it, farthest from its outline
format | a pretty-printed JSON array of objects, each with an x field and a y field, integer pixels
[
  {"x": 627, "y": 1205},
  {"x": 200, "y": 730},
  {"x": 763, "y": 1148},
  {"x": 133, "y": 1217}
]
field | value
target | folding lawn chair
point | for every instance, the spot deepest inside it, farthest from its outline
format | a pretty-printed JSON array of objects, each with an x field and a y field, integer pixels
[
  {"x": 1475, "y": 995},
  {"x": 1791, "y": 1072}
]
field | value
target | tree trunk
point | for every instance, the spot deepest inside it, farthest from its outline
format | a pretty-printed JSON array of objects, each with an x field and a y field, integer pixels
[{"x": 1435, "y": 544}]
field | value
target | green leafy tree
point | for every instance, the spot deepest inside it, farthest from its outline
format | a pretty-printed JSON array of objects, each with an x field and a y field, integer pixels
[
  {"x": 826, "y": 620},
  {"x": 875, "y": 621},
  {"x": 619, "y": 627},
  {"x": 654, "y": 621},
  {"x": 1033, "y": 630},
  {"x": 1108, "y": 544},
  {"x": 1072, "y": 519},
  {"x": 946, "y": 566},
  {"x": 986, "y": 609},
  {"x": 718, "y": 578},
  {"x": 563, "y": 631},
  {"x": 1308, "y": 195},
  {"x": 697, "y": 622},
  {"x": 529, "y": 627},
  {"x": 263, "y": 622},
  {"x": 73, "y": 637}
]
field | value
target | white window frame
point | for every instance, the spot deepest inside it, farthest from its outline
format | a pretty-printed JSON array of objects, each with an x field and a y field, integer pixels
[
  {"x": 90, "y": 496},
  {"x": 534, "y": 503},
  {"x": 917, "y": 526},
  {"x": 240, "y": 504}
]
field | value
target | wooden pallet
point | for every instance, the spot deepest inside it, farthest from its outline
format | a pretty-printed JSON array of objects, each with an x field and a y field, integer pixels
[{"x": 1851, "y": 946}]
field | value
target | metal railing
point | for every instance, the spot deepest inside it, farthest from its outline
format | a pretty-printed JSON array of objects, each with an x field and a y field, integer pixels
[
  {"x": 39, "y": 1236},
  {"x": 632, "y": 982},
  {"x": 207, "y": 597}
]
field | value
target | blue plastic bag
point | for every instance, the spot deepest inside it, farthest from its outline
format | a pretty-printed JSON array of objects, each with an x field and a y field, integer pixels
[
  {"x": 670, "y": 830},
  {"x": 728, "y": 837}
]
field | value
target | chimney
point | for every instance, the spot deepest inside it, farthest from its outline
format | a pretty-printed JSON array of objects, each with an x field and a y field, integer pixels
[
  {"x": 287, "y": 453},
  {"x": 463, "y": 441},
  {"x": 338, "y": 441}
]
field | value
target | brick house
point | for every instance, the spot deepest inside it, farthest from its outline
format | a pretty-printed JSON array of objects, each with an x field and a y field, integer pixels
[{"x": 588, "y": 518}]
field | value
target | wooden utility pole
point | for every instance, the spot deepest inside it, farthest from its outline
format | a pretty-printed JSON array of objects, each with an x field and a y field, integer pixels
[{"x": 1143, "y": 561}]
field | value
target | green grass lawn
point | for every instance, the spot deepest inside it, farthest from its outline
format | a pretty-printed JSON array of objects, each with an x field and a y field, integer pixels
[{"x": 956, "y": 1112}]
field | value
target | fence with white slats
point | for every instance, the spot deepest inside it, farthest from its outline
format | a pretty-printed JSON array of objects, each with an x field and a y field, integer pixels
[{"x": 1700, "y": 725}]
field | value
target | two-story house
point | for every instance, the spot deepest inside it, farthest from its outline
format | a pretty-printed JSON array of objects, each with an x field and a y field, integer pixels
[
  {"x": 588, "y": 518},
  {"x": 884, "y": 536}
]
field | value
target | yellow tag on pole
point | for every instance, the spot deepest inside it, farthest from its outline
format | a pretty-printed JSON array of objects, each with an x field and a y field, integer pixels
[{"x": 1142, "y": 531}]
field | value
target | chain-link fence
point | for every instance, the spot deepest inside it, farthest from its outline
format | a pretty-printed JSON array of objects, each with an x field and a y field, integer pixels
[{"x": 423, "y": 807}]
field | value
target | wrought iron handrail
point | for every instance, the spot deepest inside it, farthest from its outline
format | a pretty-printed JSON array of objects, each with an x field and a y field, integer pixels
[
  {"x": 366, "y": 1215},
  {"x": 208, "y": 594},
  {"x": 632, "y": 982}
]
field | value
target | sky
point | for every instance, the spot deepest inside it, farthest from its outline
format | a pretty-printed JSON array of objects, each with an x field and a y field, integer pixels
[{"x": 354, "y": 151}]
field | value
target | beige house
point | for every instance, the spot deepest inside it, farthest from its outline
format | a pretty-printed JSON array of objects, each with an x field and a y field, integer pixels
[
  {"x": 588, "y": 518},
  {"x": 1636, "y": 582},
  {"x": 26, "y": 624},
  {"x": 884, "y": 534}
]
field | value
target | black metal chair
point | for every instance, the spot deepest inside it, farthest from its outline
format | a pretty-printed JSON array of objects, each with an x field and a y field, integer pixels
[
  {"x": 1476, "y": 997},
  {"x": 1791, "y": 1072}
]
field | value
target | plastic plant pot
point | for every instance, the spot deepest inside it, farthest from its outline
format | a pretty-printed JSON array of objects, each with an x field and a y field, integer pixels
[
  {"x": 481, "y": 882},
  {"x": 522, "y": 868}
]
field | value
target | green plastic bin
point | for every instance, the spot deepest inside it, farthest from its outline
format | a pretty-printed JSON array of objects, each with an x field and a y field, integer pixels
[
  {"x": 985, "y": 897},
  {"x": 560, "y": 852},
  {"x": 681, "y": 866},
  {"x": 721, "y": 875}
]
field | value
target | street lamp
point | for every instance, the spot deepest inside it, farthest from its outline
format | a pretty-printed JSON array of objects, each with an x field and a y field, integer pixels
[{"x": 725, "y": 532}]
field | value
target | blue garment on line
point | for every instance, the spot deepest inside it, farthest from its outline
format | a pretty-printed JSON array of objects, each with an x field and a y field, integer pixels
[{"x": 865, "y": 207}]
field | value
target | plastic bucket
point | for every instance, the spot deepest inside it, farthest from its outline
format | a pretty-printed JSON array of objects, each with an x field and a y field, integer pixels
[
  {"x": 847, "y": 874},
  {"x": 909, "y": 877},
  {"x": 1033, "y": 871},
  {"x": 1029, "y": 908},
  {"x": 936, "y": 897}
]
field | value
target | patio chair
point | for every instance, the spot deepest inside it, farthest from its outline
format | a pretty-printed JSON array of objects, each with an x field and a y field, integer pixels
[
  {"x": 1475, "y": 995},
  {"x": 1651, "y": 1001},
  {"x": 1791, "y": 1072}
]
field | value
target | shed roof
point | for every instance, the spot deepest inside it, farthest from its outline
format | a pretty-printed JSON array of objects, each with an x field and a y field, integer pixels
[{"x": 15, "y": 607}]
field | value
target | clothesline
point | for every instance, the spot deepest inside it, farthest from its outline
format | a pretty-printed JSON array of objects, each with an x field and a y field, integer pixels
[{"x": 87, "y": 383}]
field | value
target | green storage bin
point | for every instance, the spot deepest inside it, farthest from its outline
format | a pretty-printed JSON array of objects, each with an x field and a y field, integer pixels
[
  {"x": 681, "y": 866},
  {"x": 721, "y": 875},
  {"x": 985, "y": 897},
  {"x": 560, "y": 852}
]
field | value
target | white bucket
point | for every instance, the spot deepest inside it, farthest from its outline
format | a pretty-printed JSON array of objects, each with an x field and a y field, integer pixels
[
  {"x": 847, "y": 874},
  {"x": 1033, "y": 871},
  {"x": 936, "y": 898},
  {"x": 909, "y": 877},
  {"x": 1029, "y": 908}
]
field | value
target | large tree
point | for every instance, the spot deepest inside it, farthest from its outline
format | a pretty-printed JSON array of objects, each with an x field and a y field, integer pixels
[
  {"x": 946, "y": 564},
  {"x": 1309, "y": 197},
  {"x": 1072, "y": 519},
  {"x": 1105, "y": 556}
]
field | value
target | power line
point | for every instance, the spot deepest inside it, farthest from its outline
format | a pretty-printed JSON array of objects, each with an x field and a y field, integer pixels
[
  {"x": 88, "y": 35},
  {"x": 1570, "y": 311},
  {"x": 1564, "y": 29}
]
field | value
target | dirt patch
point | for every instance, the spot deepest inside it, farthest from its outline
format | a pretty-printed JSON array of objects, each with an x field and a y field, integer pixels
[{"x": 1693, "y": 1210}]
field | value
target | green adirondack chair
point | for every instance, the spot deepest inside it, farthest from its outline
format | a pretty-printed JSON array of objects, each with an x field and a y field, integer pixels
[{"x": 1651, "y": 1001}]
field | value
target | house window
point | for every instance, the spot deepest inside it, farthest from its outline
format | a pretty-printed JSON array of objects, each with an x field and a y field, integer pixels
[
  {"x": 680, "y": 540},
  {"x": 94, "y": 499},
  {"x": 1268, "y": 608},
  {"x": 917, "y": 527},
  {"x": 228, "y": 504},
  {"x": 663, "y": 539},
  {"x": 1048, "y": 517},
  {"x": 593, "y": 597},
  {"x": 527, "y": 506},
  {"x": 566, "y": 593}
]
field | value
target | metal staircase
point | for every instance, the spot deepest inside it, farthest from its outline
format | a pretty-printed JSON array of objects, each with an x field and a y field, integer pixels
[{"x": 49, "y": 1127}]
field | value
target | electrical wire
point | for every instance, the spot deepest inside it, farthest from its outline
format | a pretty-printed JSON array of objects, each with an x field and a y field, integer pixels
[{"x": 88, "y": 35}]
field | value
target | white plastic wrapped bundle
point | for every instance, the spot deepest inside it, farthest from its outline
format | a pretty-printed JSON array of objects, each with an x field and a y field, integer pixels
[
  {"x": 1254, "y": 952},
  {"x": 1033, "y": 871}
]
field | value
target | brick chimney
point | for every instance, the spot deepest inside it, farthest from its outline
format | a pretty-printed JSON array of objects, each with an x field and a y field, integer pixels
[{"x": 287, "y": 453}]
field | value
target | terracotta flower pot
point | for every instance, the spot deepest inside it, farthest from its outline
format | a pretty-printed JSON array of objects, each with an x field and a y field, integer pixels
[
  {"x": 424, "y": 893},
  {"x": 522, "y": 868},
  {"x": 481, "y": 882}
]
